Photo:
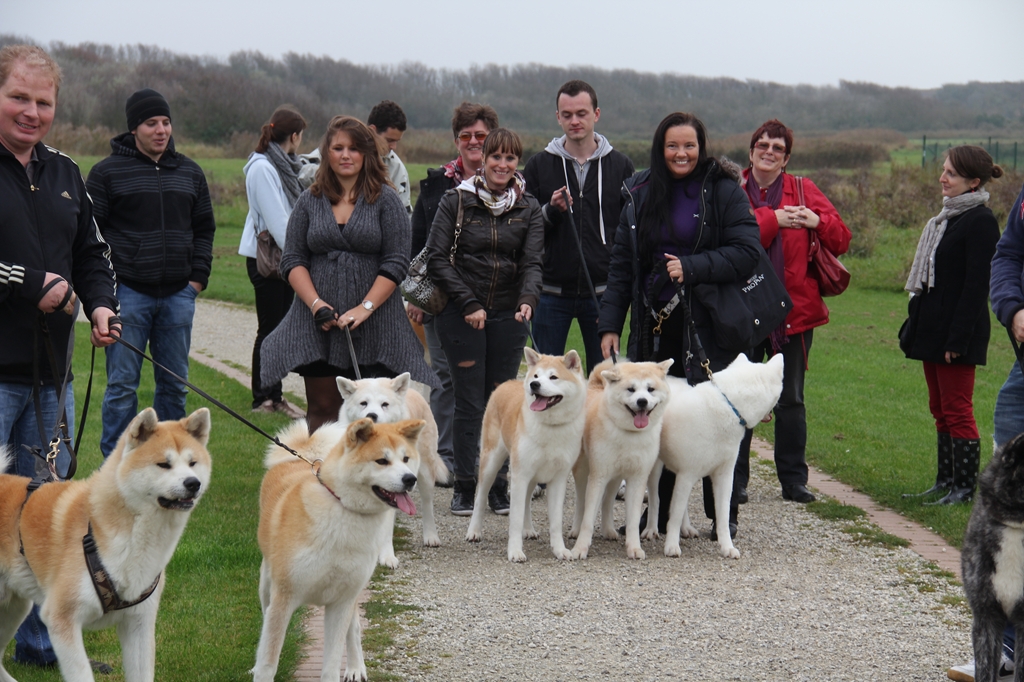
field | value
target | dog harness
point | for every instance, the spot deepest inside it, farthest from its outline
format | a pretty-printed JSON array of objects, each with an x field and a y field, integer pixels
[{"x": 105, "y": 589}]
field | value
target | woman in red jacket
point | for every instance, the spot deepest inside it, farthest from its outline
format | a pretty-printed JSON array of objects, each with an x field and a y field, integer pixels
[{"x": 786, "y": 223}]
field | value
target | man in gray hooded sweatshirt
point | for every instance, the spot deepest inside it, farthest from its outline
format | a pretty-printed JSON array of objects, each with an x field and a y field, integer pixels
[{"x": 584, "y": 164}]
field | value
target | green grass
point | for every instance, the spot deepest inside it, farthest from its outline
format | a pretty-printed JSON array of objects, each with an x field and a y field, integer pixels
[
  {"x": 209, "y": 621},
  {"x": 868, "y": 422}
]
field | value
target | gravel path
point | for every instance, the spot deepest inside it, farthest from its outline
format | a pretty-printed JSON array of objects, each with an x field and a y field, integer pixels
[{"x": 804, "y": 602}]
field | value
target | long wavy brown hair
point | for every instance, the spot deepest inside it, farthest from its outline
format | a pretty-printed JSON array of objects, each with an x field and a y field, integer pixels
[{"x": 373, "y": 175}]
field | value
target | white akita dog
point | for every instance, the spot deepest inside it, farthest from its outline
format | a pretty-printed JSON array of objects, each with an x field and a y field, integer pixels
[
  {"x": 625, "y": 406},
  {"x": 538, "y": 423},
  {"x": 701, "y": 435},
  {"x": 112, "y": 533},
  {"x": 320, "y": 533},
  {"x": 387, "y": 401}
]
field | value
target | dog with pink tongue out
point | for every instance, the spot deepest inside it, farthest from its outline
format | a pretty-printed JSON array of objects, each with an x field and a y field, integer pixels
[
  {"x": 538, "y": 424},
  {"x": 625, "y": 405}
]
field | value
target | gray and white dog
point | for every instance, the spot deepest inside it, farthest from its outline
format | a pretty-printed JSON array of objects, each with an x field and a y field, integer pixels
[{"x": 992, "y": 561}]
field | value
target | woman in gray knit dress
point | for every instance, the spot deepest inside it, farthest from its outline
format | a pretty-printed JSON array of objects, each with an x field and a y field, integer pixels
[{"x": 346, "y": 251}]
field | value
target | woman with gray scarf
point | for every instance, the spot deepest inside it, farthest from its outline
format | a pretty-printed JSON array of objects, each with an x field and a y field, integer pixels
[
  {"x": 271, "y": 186},
  {"x": 948, "y": 324}
]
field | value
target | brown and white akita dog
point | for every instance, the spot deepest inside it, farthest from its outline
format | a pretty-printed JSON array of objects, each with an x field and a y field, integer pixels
[
  {"x": 321, "y": 531},
  {"x": 538, "y": 423},
  {"x": 86, "y": 550}
]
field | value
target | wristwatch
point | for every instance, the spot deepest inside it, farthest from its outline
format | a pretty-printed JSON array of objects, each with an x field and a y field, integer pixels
[{"x": 368, "y": 304}]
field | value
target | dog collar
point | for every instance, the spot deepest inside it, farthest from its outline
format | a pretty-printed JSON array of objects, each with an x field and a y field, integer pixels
[
  {"x": 743, "y": 422},
  {"x": 321, "y": 482},
  {"x": 105, "y": 589}
]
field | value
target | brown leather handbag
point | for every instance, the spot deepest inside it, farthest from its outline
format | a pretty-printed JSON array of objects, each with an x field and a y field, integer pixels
[{"x": 832, "y": 275}]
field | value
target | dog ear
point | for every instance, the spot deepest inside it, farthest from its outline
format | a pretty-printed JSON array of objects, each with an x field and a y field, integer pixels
[
  {"x": 143, "y": 426},
  {"x": 198, "y": 425},
  {"x": 346, "y": 387},
  {"x": 410, "y": 428},
  {"x": 610, "y": 376},
  {"x": 532, "y": 356},
  {"x": 665, "y": 364},
  {"x": 400, "y": 384},
  {"x": 359, "y": 431},
  {"x": 572, "y": 361}
]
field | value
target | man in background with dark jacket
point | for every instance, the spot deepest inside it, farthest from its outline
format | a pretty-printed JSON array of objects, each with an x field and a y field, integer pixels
[
  {"x": 153, "y": 207},
  {"x": 48, "y": 246},
  {"x": 584, "y": 164}
]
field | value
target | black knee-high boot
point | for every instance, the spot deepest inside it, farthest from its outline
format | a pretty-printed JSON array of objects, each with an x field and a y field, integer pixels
[{"x": 966, "y": 459}]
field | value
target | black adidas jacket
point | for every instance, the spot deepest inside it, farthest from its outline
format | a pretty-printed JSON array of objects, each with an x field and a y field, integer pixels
[{"x": 45, "y": 226}]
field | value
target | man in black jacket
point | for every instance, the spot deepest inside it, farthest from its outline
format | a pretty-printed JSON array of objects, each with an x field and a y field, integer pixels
[
  {"x": 584, "y": 164},
  {"x": 153, "y": 207},
  {"x": 48, "y": 244}
]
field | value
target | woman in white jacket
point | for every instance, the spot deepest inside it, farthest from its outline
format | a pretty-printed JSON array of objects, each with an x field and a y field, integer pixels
[{"x": 271, "y": 186}]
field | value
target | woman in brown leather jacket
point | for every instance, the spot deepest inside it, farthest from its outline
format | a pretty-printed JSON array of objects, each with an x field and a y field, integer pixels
[{"x": 484, "y": 251}]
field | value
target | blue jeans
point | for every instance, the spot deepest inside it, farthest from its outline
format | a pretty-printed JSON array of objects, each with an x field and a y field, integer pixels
[
  {"x": 1009, "y": 412},
  {"x": 552, "y": 322},
  {"x": 17, "y": 428},
  {"x": 442, "y": 399},
  {"x": 165, "y": 323},
  {"x": 1008, "y": 422}
]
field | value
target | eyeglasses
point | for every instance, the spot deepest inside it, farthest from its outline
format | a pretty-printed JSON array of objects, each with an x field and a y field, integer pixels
[
  {"x": 479, "y": 136},
  {"x": 764, "y": 146}
]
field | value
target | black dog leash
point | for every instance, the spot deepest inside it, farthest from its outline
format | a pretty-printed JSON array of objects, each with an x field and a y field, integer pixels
[
  {"x": 583, "y": 260},
  {"x": 209, "y": 397},
  {"x": 352, "y": 353},
  {"x": 691, "y": 330}
]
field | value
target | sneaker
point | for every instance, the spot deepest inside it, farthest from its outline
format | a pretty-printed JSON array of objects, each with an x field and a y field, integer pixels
[
  {"x": 266, "y": 407},
  {"x": 497, "y": 497},
  {"x": 965, "y": 672},
  {"x": 289, "y": 410},
  {"x": 462, "y": 498}
]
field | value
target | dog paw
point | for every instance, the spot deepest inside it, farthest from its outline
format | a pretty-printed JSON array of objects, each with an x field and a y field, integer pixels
[
  {"x": 689, "y": 532},
  {"x": 516, "y": 556},
  {"x": 672, "y": 550},
  {"x": 389, "y": 561},
  {"x": 530, "y": 534},
  {"x": 729, "y": 552},
  {"x": 635, "y": 553},
  {"x": 611, "y": 534},
  {"x": 650, "y": 534},
  {"x": 563, "y": 554},
  {"x": 573, "y": 533},
  {"x": 474, "y": 536},
  {"x": 355, "y": 675},
  {"x": 432, "y": 541},
  {"x": 579, "y": 553}
]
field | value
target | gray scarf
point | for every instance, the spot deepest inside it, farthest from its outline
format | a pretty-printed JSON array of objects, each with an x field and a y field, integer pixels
[
  {"x": 922, "y": 271},
  {"x": 287, "y": 166}
]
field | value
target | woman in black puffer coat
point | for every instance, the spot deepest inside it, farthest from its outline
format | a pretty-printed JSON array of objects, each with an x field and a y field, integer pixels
[
  {"x": 686, "y": 218},
  {"x": 484, "y": 250}
]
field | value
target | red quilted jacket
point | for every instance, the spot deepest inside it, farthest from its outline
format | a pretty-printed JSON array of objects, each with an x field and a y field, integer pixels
[{"x": 809, "y": 310}]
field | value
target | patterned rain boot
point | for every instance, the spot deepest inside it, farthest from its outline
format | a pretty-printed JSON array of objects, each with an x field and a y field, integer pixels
[{"x": 966, "y": 458}]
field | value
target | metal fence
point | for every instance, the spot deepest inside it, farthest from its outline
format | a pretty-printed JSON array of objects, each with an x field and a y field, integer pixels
[{"x": 930, "y": 152}]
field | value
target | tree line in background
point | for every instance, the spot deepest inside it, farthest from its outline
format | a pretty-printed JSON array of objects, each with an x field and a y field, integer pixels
[{"x": 225, "y": 103}]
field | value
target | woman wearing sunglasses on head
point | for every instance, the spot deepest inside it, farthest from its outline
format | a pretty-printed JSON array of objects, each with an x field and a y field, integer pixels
[{"x": 470, "y": 125}]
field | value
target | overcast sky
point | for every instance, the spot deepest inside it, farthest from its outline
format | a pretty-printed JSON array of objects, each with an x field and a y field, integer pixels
[{"x": 914, "y": 43}]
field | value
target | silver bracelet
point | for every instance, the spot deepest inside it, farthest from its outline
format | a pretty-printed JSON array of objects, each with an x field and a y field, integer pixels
[{"x": 313, "y": 304}]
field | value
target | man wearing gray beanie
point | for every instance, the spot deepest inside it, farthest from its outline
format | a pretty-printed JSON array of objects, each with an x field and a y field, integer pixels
[{"x": 152, "y": 206}]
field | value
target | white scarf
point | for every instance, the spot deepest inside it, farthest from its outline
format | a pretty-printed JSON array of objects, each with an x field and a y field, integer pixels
[
  {"x": 922, "y": 271},
  {"x": 501, "y": 203}
]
